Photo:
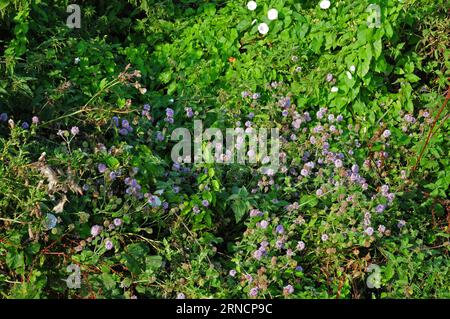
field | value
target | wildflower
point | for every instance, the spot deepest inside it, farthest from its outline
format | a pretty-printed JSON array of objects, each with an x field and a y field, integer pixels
[
  {"x": 112, "y": 176},
  {"x": 232, "y": 273},
  {"x": 245, "y": 94},
  {"x": 108, "y": 244},
  {"x": 249, "y": 277},
  {"x": 3, "y": 117},
  {"x": 334, "y": 89},
  {"x": 159, "y": 136},
  {"x": 338, "y": 163},
  {"x": 205, "y": 203},
  {"x": 125, "y": 124},
  {"x": 74, "y": 130},
  {"x": 77, "y": 60},
  {"x": 169, "y": 112},
  {"x": 329, "y": 77},
  {"x": 117, "y": 222},
  {"x": 324, "y": 237},
  {"x": 339, "y": 118},
  {"x": 331, "y": 117},
  {"x": 319, "y": 192},
  {"x": 304, "y": 172},
  {"x": 272, "y": 14},
  {"x": 253, "y": 292},
  {"x": 381, "y": 229},
  {"x": 35, "y": 120},
  {"x": 96, "y": 230},
  {"x": 25, "y": 125},
  {"x": 288, "y": 290},
  {"x": 255, "y": 212},
  {"x": 115, "y": 119},
  {"x": 263, "y": 28},
  {"x": 101, "y": 168},
  {"x": 369, "y": 231},
  {"x": 299, "y": 268},
  {"x": 264, "y": 224},
  {"x": 123, "y": 131},
  {"x": 189, "y": 112},
  {"x": 251, "y": 5},
  {"x": 352, "y": 68},
  {"x": 324, "y": 4},
  {"x": 256, "y": 96},
  {"x": 279, "y": 229},
  {"x": 380, "y": 208},
  {"x": 386, "y": 133},
  {"x": 257, "y": 254},
  {"x": 195, "y": 209},
  {"x": 300, "y": 245}
]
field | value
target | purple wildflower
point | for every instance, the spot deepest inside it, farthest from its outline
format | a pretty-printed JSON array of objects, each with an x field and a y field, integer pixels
[
  {"x": 74, "y": 130},
  {"x": 95, "y": 230},
  {"x": 108, "y": 244},
  {"x": 279, "y": 229},
  {"x": 288, "y": 289},
  {"x": 101, "y": 167},
  {"x": 117, "y": 222},
  {"x": 253, "y": 292}
]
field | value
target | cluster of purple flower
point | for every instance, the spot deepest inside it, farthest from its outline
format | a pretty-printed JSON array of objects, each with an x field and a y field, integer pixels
[
  {"x": 254, "y": 96},
  {"x": 255, "y": 213},
  {"x": 146, "y": 111},
  {"x": 169, "y": 115},
  {"x": 133, "y": 187},
  {"x": 261, "y": 251},
  {"x": 125, "y": 126}
]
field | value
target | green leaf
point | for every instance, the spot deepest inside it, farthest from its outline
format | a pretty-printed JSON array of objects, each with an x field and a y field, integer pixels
[
  {"x": 239, "y": 208},
  {"x": 153, "y": 262},
  {"x": 112, "y": 162}
]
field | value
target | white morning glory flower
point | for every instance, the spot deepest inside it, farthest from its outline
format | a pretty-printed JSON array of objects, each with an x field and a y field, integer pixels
[
  {"x": 263, "y": 28},
  {"x": 251, "y": 5},
  {"x": 77, "y": 60},
  {"x": 272, "y": 14},
  {"x": 334, "y": 89},
  {"x": 352, "y": 68},
  {"x": 325, "y": 4}
]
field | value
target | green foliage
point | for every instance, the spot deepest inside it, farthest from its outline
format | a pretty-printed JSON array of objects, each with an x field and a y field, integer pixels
[{"x": 87, "y": 178}]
